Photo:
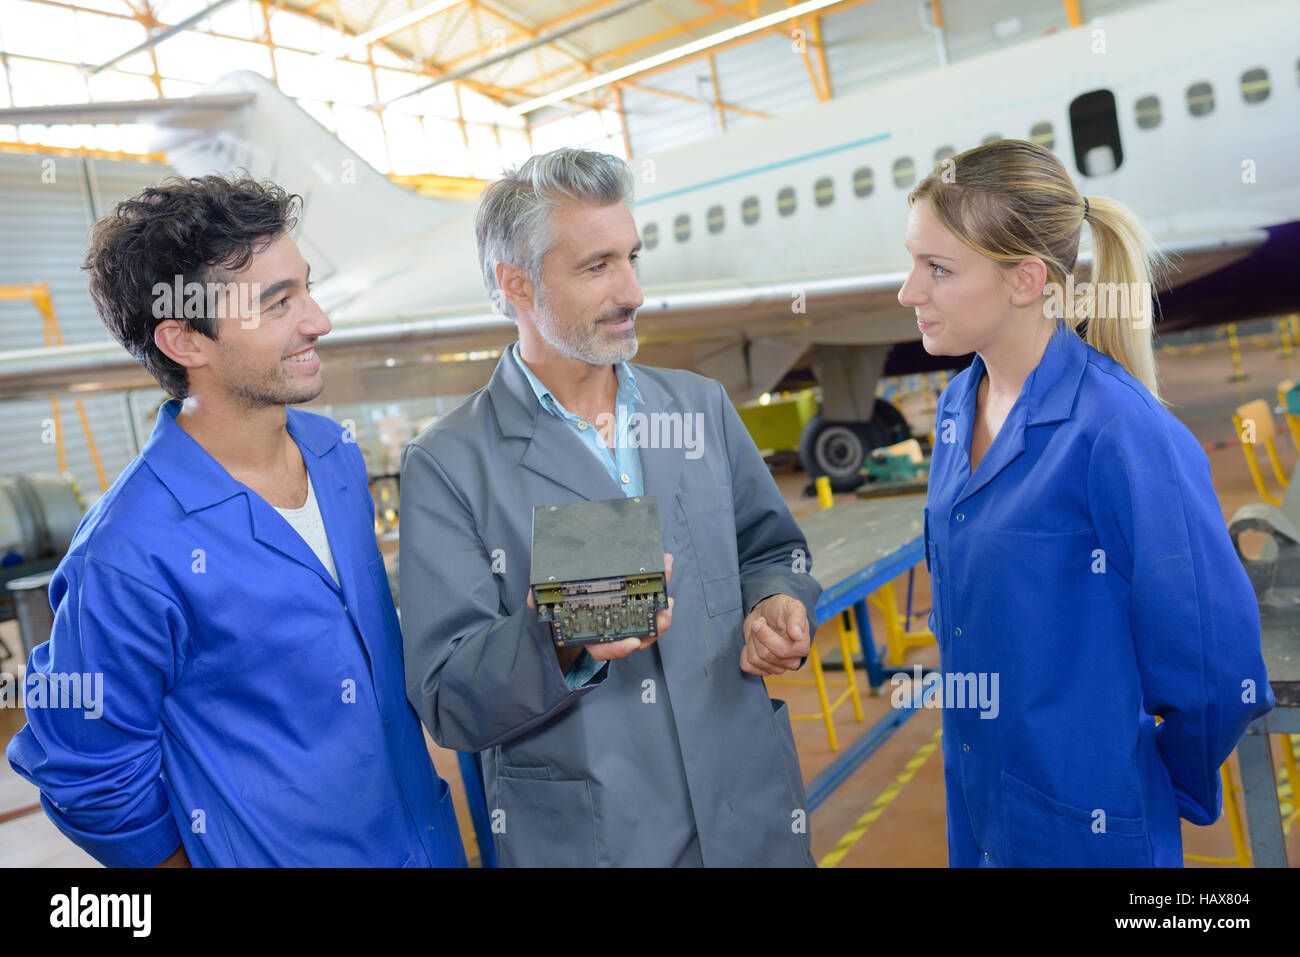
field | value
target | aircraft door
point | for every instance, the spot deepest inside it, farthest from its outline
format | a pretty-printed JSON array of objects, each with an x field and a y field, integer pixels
[{"x": 1094, "y": 126}]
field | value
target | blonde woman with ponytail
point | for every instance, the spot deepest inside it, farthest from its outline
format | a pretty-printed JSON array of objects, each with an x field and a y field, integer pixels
[{"x": 1079, "y": 563}]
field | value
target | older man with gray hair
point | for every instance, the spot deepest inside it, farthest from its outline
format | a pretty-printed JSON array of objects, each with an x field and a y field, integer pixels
[{"x": 641, "y": 752}]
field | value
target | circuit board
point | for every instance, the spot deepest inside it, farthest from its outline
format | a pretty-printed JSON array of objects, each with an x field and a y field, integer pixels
[{"x": 598, "y": 569}]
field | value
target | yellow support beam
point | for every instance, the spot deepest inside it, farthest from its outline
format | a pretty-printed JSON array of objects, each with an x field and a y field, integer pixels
[
  {"x": 440, "y": 186},
  {"x": 39, "y": 295},
  {"x": 79, "y": 152},
  {"x": 543, "y": 82},
  {"x": 687, "y": 98}
]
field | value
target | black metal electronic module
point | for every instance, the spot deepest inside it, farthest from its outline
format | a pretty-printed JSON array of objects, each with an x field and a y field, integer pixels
[{"x": 598, "y": 569}]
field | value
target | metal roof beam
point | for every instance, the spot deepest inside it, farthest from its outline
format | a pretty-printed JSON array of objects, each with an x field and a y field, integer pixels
[{"x": 166, "y": 34}]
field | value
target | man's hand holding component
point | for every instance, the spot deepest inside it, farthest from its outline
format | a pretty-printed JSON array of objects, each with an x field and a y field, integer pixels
[{"x": 618, "y": 649}]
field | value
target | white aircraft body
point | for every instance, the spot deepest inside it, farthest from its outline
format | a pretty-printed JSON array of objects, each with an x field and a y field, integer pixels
[{"x": 778, "y": 246}]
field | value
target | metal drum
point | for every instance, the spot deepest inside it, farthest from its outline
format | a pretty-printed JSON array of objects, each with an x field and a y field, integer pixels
[
  {"x": 32, "y": 609},
  {"x": 38, "y": 516}
]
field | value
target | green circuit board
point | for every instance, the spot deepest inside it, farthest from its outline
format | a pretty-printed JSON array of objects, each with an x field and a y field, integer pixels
[{"x": 598, "y": 569}]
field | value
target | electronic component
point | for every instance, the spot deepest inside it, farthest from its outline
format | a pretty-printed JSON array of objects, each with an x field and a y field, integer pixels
[{"x": 598, "y": 569}]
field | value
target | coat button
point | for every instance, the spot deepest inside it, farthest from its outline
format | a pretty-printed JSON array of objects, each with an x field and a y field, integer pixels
[
  {"x": 966, "y": 748},
  {"x": 625, "y": 478},
  {"x": 582, "y": 426},
  {"x": 957, "y": 632},
  {"x": 986, "y": 855},
  {"x": 961, "y": 516}
]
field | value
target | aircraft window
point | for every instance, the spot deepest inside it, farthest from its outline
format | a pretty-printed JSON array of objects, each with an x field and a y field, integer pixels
[
  {"x": 904, "y": 172},
  {"x": 714, "y": 219},
  {"x": 1094, "y": 128},
  {"x": 864, "y": 181},
  {"x": 749, "y": 210},
  {"x": 650, "y": 235},
  {"x": 991, "y": 138},
  {"x": 1043, "y": 135},
  {"x": 785, "y": 204},
  {"x": 1254, "y": 85},
  {"x": 1147, "y": 112},
  {"x": 943, "y": 153},
  {"x": 824, "y": 191},
  {"x": 682, "y": 227},
  {"x": 1200, "y": 99}
]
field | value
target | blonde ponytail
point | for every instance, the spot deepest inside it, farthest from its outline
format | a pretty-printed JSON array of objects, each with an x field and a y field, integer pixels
[{"x": 1118, "y": 302}]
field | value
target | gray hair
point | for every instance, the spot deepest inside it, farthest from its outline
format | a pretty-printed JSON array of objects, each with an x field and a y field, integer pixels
[{"x": 514, "y": 223}]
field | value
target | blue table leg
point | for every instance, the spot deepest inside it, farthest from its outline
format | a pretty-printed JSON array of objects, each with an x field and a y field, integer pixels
[
  {"x": 471, "y": 772},
  {"x": 1259, "y": 793},
  {"x": 911, "y": 575},
  {"x": 870, "y": 657}
]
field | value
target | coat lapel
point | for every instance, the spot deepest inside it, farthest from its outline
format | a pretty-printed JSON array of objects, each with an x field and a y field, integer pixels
[
  {"x": 661, "y": 469},
  {"x": 552, "y": 451},
  {"x": 1008, "y": 445},
  {"x": 274, "y": 531},
  {"x": 199, "y": 481},
  {"x": 1047, "y": 398},
  {"x": 555, "y": 453}
]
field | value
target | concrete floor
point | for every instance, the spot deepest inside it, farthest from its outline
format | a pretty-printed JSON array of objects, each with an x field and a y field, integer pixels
[{"x": 907, "y": 830}]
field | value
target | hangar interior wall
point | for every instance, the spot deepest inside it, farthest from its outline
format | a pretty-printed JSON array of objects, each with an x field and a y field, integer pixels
[
  {"x": 864, "y": 45},
  {"x": 49, "y": 204}
]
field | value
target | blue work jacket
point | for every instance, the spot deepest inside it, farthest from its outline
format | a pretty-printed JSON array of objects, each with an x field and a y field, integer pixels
[
  {"x": 252, "y": 710},
  {"x": 1086, "y": 565}
]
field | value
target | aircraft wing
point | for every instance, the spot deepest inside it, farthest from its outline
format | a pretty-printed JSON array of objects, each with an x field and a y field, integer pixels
[
  {"x": 450, "y": 350},
  {"x": 747, "y": 334},
  {"x": 1194, "y": 255},
  {"x": 198, "y": 110}
]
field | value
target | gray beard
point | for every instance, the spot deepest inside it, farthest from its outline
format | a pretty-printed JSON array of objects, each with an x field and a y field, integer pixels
[{"x": 586, "y": 345}]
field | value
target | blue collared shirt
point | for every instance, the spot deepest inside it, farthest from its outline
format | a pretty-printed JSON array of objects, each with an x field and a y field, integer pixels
[
  {"x": 623, "y": 462},
  {"x": 253, "y": 710}
]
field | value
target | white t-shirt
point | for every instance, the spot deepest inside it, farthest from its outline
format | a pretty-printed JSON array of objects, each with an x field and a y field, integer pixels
[{"x": 306, "y": 521}]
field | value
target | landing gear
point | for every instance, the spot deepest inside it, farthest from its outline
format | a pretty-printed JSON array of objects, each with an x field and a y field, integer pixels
[{"x": 839, "y": 450}]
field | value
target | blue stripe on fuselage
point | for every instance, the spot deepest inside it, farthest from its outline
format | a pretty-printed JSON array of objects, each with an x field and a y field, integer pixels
[{"x": 879, "y": 138}]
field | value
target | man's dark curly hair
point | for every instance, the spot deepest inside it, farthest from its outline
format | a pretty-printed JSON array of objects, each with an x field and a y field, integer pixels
[{"x": 199, "y": 229}]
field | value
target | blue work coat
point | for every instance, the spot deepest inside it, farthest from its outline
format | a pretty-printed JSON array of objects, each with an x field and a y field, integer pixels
[
  {"x": 252, "y": 710},
  {"x": 1087, "y": 565}
]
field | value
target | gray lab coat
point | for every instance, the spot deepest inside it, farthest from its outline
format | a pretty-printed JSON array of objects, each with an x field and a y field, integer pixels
[{"x": 670, "y": 756}]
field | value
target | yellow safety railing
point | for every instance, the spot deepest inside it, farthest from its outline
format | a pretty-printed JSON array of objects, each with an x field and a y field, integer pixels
[
  {"x": 1254, "y": 424},
  {"x": 1292, "y": 420},
  {"x": 898, "y": 639},
  {"x": 849, "y": 642}
]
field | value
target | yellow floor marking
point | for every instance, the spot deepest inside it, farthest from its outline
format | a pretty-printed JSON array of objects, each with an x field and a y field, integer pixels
[{"x": 883, "y": 801}]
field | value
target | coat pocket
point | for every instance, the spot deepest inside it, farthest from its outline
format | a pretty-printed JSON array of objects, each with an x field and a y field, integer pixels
[
  {"x": 785, "y": 736},
  {"x": 547, "y": 823},
  {"x": 453, "y": 848},
  {"x": 798, "y": 814},
  {"x": 1040, "y": 831},
  {"x": 711, "y": 521}
]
